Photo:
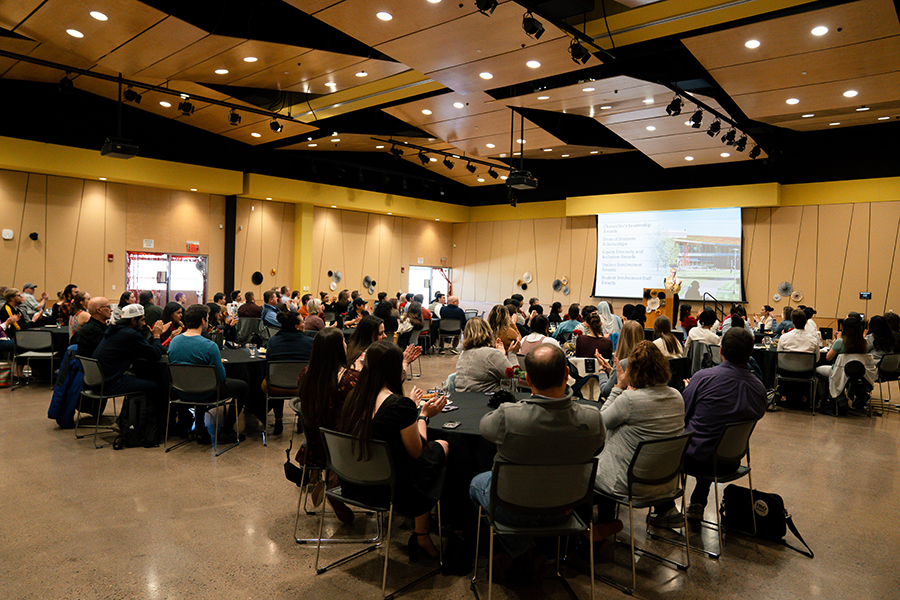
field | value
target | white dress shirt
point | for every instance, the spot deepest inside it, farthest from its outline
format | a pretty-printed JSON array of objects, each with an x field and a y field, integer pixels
[{"x": 798, "y": 340}]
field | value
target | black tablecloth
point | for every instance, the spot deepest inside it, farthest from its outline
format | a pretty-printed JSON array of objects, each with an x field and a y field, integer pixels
[
  {"x": 60, "y": 337},
  {"x": 768, "y": 362}
]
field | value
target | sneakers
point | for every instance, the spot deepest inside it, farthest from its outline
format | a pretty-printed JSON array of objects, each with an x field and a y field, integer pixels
[
  {"x": 671, "y": 519},
  {"x": 695, "y": 512}
]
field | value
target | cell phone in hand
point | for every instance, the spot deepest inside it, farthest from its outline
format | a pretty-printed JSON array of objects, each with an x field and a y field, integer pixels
[
  {"x": 451, "y": 424},
  {"x": 449, "y": 408}
]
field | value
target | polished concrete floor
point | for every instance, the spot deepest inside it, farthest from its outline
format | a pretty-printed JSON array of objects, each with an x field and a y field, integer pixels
[{"x": 82, "y": 523}]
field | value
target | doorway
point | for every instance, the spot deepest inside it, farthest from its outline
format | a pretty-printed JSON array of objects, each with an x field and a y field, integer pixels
[
  {"x": 428, "y": 281},
  {"x": 167, "y": 275}
]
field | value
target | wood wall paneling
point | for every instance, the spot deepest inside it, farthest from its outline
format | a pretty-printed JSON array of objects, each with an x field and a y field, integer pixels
[
  {"x": 883, "y": 267},
  {"x": 64, "y": 202},
  {"x": 31, "y": 209},
  {"x": 115, "y": 240},
  {"x": 833, "y": 248},
  {"x": 855, "y": 265}
]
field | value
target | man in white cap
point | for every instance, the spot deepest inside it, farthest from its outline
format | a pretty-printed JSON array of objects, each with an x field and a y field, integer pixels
[{"x": 31, "y": 305}]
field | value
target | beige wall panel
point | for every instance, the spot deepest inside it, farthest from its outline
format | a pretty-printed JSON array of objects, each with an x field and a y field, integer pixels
[
  {"x": 552, "y": 248},
  {"x": 477, "y": 258},
  {"x": 758, "y": 247},
  {"x": 115, "y": 240},
  {"x": 215, "y": 266},
  {"x": 883, "y": 258},
  {"x": 192, "y": 222},
  {"x": 88, "y": 252},
  {"x": 463, "y": 277},
  {"x": 390, "y": 256},
  {"x": 834, "y": 229},
  {"x": 354, "y": 230},
  {"x": 248, "y": 260},
  {"x": 806, "y": 258},
  {"x": 321, "y": 251},
  {"x": 507, "y": 234},
  {"x": 487, "y": 247},
  {"x": 546, "y": 246},
  {"x": 286, "y": 260},
  {"x": 585, "y": 253},
  {"x": 856, "y": 266},
  {"x": 31, "y": 256},
  {"x": 64, "y": 198}
]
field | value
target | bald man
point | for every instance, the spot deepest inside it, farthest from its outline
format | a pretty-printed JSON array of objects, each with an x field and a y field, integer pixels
[
  {"x": 453, "y": 311},
  {"x": 91, "y": 333}
]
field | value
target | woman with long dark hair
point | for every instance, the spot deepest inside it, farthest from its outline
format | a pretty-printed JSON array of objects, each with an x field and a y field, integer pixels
[
  {"x": 377, "y": 409},
  {"x": 369, "y": 330},
  {"x": 172, "y": 313},
  {"x": 80, "y": 315},
  {"x": 880, "y": 339},
  {"x": 594, "y": 340},
  {"x": 664, "y": 339},
  {"x": 412, "y": 321},
  {"x": 125, "y": 299},
  {"x": 384, "y": 311},
  {"x": 554, "y": 317}
]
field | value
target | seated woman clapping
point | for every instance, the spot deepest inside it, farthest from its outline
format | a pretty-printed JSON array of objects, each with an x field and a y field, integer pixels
[
  {"x": 483, "y": 363},
  {"x": 377, "y": 409}
]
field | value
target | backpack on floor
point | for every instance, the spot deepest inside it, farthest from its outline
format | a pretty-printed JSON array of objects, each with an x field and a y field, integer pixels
[{"x": 137, "y": 424}]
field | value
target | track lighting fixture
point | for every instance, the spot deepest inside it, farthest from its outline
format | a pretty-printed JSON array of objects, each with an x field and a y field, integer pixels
[
  {"x": 755, "y": 152},
  {"x": 741, "y": 144},
  {"x": 579, "y": 53},
  {"x": 397, "y": 152},
  {"x": 533, "y": 27},
  {"x": 714, "y": 129},
  {"x": 448, "y": 163},
  {"x": 66, "y": 85},
  {"x": 486, "y": 7},
  {"x": 276, "y": 126},
  {"x": 423, "y": 158},
  {"x": 186, "y": 107},
  {"x": 674, "y": 107},
  {"x": 470, "y": 167},
  {"x": 728, "y": 138},
  {"x": 386, "y": 179},
  {"x": 697, "y": 118},
  {"x": 131, "y": 96},
  {"x": 234, "y": 118},
  {"x": 494, "y": 174}
]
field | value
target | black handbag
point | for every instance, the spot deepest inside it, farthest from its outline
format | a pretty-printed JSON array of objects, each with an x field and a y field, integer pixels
[{"x": 772, "y": 520}]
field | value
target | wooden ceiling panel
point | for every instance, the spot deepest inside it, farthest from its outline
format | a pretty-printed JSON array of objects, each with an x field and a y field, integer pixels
[
  {"x": 346, "y": 78},
  {"x": 508, "y": 69},
  {"x": 351, "y": 142},
  {"x": 613, "y": 90},
  {"x": 858, "y": 22},
  {"x": 188, "y": 57},
  {"x": 565, "y": 151},
  {"x": 826, "y": 119},
  {"x": 127, "y": 19},
  {"x": 251, "y": 124},
  {"x": 442, "y": 108},
  {"x": 152, "y": 46},
  {"x": 311, "y": 7},
  {"x": 684, "y": 142},
  {"x": 468, "y": 127},
  {"x": 710, "y": 156},
  {"x": 29, "y": 72},
  {"x": 267, "y": 54},
  {"x": 19, "y": 46},
  {"x": 305, "y": 67},
  {"x": 534, "y": 138},
  {"x": 14, "y": 11}
]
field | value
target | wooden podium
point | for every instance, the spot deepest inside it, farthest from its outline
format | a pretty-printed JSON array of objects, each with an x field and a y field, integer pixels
[{"x": 668, "y": 305}]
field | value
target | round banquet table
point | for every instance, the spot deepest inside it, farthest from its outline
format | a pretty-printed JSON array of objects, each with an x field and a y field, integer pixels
[
  {"x": 59, "y": 334},
  {"x": 767, "y": 358}
]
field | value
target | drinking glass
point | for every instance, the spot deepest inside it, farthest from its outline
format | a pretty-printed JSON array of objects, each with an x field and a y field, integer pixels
[{"x": 252, "y": 349}]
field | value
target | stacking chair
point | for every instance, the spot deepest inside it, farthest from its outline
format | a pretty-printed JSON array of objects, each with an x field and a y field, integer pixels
[
  {"x": 196, "y": 380},
  {"x": 34, "y": 344},
  {"x": 732, "y": 446},
  {"x": 247, "y": 327},
  {"x": 587, "y": 384},
  {"x": 94, "y": 388},
  {"x": 376, "y": 470},
  {"x": 655, "y": 462},
  {"x": 562, "y": 488},
  {"x": 888, "y": 370},
  {"x": 470, "y": 313},
  {"x": 800, "y": 367},
  {"x": 282, "y": 375},
  {"x": 270, "y": 331},
  {"x": 329, "y": 317},
  {"x": 414, "y": 341},
  {"x": 449, "y": 329},
  {"x": 680, "y": 368}
]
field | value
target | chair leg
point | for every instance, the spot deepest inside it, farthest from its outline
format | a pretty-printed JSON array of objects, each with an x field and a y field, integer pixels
[
  {"x": 265, "y": 420},
  {"x": 633, "y": 559},
  {"x": 718, "y": 516},
  {"x": 752, "y": 502},
  {"x": 238, "y": 436},
  {"x": 387, "y": 551},
  {"x": 477, "y": 548},
  {"x": 490, "y": 561}
]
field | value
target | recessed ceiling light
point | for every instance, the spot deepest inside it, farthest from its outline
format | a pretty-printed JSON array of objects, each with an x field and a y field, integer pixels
[
  {"x": 481, "y": 180},
  {"x": 651, "y": 128},
  {"x": 221, "y": 71},
  {"x": 605, "y": 107},
  {"x": 486, "y": 75},
  {"x": 268, "y": 198},
  {"x": 433, "y": 2},
  {"x": 689, "y": 123},
  {"x": 254, "y": 134},
  {"x": 565, "y": 155},
  {"x": 792, "y": 101},
  {"x": 725, "y": 154},
  {"x": 833, "y": 124},
  {"x": 594, "y": 151},
  {"x": 250, "y": 59},
  {"x": 587, "y": 89},
  {"x": 437, "y": 219},
  {"x": 689, "y": 158},
  {"x": 379, "y": 147},
  {"x": 850, "y": 94},
  {"x": 103, "y": 179},
  {"x": 520, "y": 141},
  {"x": 808, "y": 115},
  {"x": 883, "y": 118},
  {"x": 390, "y": 213},
  {"x": 532, "y": 64},
  {"x": 516, "y": 153},
  {"x": 543, "y": 97},
  {"x": 490, "y": 145},
  {"x": 548, "y": 149},
  {"x": 425, "y": 111},
  {"x": 648, "y": 100},
  {"x": 504, "y": 177},
  {"x": 335, "y": 140},
  {"x": 98, "y": 15},
  {"x": 75, "y": 33},
  {"x": 458, "y": 105},
  {"x": 333, "y": 206},
  {"x": 752, "y": 44},
  {"x": 165, "y": 104},
  {"x": 432, "y": 159},
  {"x": 820, "y": 30},
  {"x": 384, "y": 16},
  {"x": 362, "y": 74},
  {"x": 331, "y": 84},
  {"x": 862, "y": 109},
  {"x": 193, "y": 189}
]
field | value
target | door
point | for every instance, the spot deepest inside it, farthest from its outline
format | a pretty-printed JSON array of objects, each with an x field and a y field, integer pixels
[
  {"x": 167, "y": 275},
  {"x": 428, "y": 281}
]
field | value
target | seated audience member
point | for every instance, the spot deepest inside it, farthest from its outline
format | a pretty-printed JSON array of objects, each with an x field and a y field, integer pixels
[
  {"x": 764, "y": 322},
  {"x": 152, "y": 312},
  {"x": 412, "y": 321},
  {"x": 220, "y": 322},
  {"x": 513, "y": 311},
  {"x": 173, "y": 314},
  {"x": 639, "y": 313},
  {"x": 249, "y": 308},
  {"x": 377, "y": 409},
  {"x": 483, "y": 363},
  {"x": 798, "y": 340},
  {"x": 593, "y": 341},
  {"x": 786, "y": 324},
  {"x": 586, "y": 312},
  {"x": 122, "y": 345},
  {"x": 810, "y": 326},
  {"x": 850, "y": 340},
  {"x": 641, "y": 407},
  {"x": 395, "y": 308},
  {"x": 315, "y": 320},
  {"x": 125, "y": 299},
  {"x": 65, "y": 309},
  {"x": 79, "y": 314},
  {"x": 301, "y": 307},
  {"x": 369, "y": 331},
  {"x": 91, "y": 333},
  {"x": 181, "y": 299},
  {"x": 737, "y": 310},
  {"x": 219, "y": 298},
  {"x": 502, "y": 328},
  {"x": 451, "y": 310},
  {"x": 565, "y": 329},
  {"x": 534, "y": 308},
  {"x": 6, "y": 342},
  {"x": 554, "y": 317},
  {"x": 12, "y": 308},
  {"x": 880, "y": 339},
  {"x": 610, "y": 323},
  {"x": 516, "y": 315},
  {"x": 31, "y": 306},
  {"x": 288, "y": 344},
  {"x": 631, "y": 335},
  {"x": 727, "y": 393},
  {"x": 383, "y": 311},
  {"x": 549, "y": 428},
  {"x": 191, "y": 348},
  {"x": 687, "y": 321},
  {"x": 236, "y": 300},
  {"x": 405, "y": 301},
  {"x": 538, "y": 335},
  {"x": 357, "y": 313},
  {"x": 627, "y": 309},
  {"x": 703, "y": 333},
  {"x": 665, "y": 340},
  {"x": 270, "y": 310},
  {"x": 893, "y": 321}
]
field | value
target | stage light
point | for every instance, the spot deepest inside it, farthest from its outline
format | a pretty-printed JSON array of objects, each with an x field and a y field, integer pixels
[
  {"x": 741, "y": 144},
  {"x": 697, "y": 118},
  {"x": 186, "y": 107},
  {"x": 66, "y": 85},
  {"x": 579, "y": 53},
  {"x": 276, "y": 126},
  {"x": 397, "y": 152},
  {"x": 714, "y": 129},
  {"x": 234, "y": 118},
  {"x": 131, "y": 96},
  {"x": 424, "y": 159},
  {"x": 674, "y": 107},
  {"x": 470, "y": 167},
  {"x": 448, "y": 163},
  {"x": 533, "y": 27},
  {"x": 493, "y": 173},
  {"x": 728, "y": 138},
  {"x": 486, "y": 7}
]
